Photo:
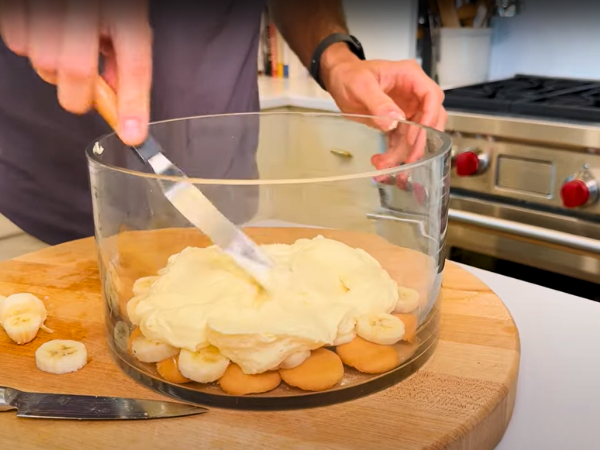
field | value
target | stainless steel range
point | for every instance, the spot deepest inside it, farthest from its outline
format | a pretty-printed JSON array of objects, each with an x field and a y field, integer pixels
[{"x": 526, "y": 169}]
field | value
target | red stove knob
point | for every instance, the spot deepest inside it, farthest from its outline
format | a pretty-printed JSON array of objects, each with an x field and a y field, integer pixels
[
  {"x": 575, "y": 193},
  {"x": 469, "y": 163}
]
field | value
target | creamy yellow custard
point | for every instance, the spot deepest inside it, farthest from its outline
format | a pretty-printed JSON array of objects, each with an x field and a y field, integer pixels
[{"x": 315, "y": 293}]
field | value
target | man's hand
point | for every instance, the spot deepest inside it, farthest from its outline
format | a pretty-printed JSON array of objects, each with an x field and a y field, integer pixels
[
  {"x": 63, "y": 40},
  {"x": 391, "y": 90}
]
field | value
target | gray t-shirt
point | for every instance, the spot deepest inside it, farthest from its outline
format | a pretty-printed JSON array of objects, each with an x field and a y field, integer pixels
[{"x": 204, "y": 63}]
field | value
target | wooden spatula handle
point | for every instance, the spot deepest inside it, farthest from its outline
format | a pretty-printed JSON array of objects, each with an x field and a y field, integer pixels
[{"x": 105, "y": 102}]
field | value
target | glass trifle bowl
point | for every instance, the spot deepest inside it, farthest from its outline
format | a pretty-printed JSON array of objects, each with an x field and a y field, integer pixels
[{"x": 358, "y": 253}]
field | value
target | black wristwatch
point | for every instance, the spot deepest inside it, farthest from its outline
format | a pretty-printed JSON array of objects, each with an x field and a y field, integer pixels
[{"x": 315, "y": 63}]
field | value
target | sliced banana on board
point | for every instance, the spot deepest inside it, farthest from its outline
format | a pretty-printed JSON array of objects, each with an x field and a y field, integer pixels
[
  {"x": 22, "y": 303},
  {"x": 22, "y": 316},
  {"x": 408, "y": 300},
  {"x": 22, "y": 328},
  {"x": 141, "y": 285},
  {"x": 151, "y": 350},
  {"x": 204, "y": 366},
  {"x": 383, "y": 329},
  {"x": 61, "y": 356}
]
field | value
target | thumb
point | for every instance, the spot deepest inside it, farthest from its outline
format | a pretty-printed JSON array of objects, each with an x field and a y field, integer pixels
[{"x": 377, "y": 103}]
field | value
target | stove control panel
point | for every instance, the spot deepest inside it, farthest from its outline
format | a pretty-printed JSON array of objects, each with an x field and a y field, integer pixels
[
  {"x": 470, "y": 162},
  {"x": 579, "y": 190}
]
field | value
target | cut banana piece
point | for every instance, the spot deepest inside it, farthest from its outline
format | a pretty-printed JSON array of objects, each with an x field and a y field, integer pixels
[
  {"x": 141, "y": 285},
  {"x": 342, "y": 339},
  {"x": 408, "y": 300},
  {"x": 21, "y": 316},
  {"x": 22, "y": 328},
  {"x": 131, "y": 305},
  {"x": 61, "y": 356},
  {"x": 346, "y": 332},
  {"x": 22, "y": 303},
  {"x": 151, "y": 351},
  {"x": 295, "y": 360},
  {"x": 121, "y": 335},
  {"x": 204, "y": 366},
  {"x": 383, "y": 329}
]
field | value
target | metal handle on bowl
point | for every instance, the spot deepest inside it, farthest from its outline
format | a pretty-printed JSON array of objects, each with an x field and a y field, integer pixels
[
  {"x": 526, "y": 231},
  {"x": 416, "y": 220}
]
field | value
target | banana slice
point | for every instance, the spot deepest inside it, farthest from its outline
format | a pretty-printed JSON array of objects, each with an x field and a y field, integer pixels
[
  {"x": 204, "y": 366},
  {"x": 342, "y": 339},
  {"x": 346, "y": 332},
  {"x": 141, "y": 285},
  {"x": 121, "y": 334},
  {"x": 131, "y": 305},
  {"x": 21, "y": 316},
  {"x": 22, "y": 303},
  {"x": 383, "y": 329},
  {"x": 22, "y": 328},
  {"x": 151, "y": 351},
  {"x": 408, "y": 300},
  {"x": 61, "y": 356},
  {"x": 295, "y": 360}
]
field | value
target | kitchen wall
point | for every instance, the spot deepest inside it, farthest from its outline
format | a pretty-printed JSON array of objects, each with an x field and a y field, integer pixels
[
  {"x": 387, "y": 29},
  {"x": 548, "y": 38}
]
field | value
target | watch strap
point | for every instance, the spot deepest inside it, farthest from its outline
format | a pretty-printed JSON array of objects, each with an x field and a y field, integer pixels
[{"x": 315, "y": 63}]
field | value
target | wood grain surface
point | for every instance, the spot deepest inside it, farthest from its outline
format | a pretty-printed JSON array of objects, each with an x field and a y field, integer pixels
[{"x": 462, "y": 398}]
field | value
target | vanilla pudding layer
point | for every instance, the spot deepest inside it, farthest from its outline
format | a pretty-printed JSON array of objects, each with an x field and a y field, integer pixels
[{"x": 316, "y": 291}]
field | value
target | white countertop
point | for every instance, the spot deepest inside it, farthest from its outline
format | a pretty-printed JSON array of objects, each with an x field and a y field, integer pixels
[
  {"x": 301, "y": 92},
  {"x": 558, "y": 394}
]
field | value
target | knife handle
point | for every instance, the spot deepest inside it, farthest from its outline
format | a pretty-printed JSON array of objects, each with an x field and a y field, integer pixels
[
  {"x": 105, "y": 102},
  {"x": 7, "y": 395}
]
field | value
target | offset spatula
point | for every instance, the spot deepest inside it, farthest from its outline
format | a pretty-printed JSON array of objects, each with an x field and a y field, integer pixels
[
  {"x": 188, "y": 199},
  {"x": 82, "y": 407}
]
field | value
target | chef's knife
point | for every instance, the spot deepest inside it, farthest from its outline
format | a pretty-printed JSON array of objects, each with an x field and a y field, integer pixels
[
  {"x": 188, "y": 199},
  {"x": 83, "y": 407}
]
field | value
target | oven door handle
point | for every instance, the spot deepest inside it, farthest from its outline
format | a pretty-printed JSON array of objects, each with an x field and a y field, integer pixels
[{"x": 526, "y": 231}]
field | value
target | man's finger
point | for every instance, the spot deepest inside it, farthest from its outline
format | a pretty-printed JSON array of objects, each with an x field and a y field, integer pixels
[
  {"x": 442, "y": 119},
  {"x": 48, "y": 77},
  {"x": 13, "y": 25},
  {"x": 45, "y": 33},
  {"x": 78, "y": 59},
  {"x": 431, "y": 97},
  {"x": 132, "y": 41},
  {"x": 378, "y": 103}
]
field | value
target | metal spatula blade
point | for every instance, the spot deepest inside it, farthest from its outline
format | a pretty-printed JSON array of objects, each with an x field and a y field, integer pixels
[{"x": 188, "y": 199}]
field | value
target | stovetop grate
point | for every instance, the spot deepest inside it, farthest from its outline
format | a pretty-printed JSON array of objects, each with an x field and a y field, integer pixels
[{"x": 531, "y": 96}]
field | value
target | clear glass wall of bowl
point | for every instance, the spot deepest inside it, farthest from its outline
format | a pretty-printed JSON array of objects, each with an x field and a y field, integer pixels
[{"x": 282, "y": 177}]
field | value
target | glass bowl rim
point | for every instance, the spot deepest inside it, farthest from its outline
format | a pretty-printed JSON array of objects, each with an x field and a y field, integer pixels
[{"x": 446, "y": 144}]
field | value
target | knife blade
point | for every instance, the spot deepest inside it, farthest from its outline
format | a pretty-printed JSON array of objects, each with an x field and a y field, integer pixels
[{"x": 35, "y": 405}]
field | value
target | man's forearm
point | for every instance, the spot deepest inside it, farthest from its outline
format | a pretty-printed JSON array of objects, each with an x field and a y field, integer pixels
[{"x": 305, "y": 23}]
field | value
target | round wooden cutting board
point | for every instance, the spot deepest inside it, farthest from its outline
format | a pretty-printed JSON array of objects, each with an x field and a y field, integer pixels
[{"x": 462, "y": 398}]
